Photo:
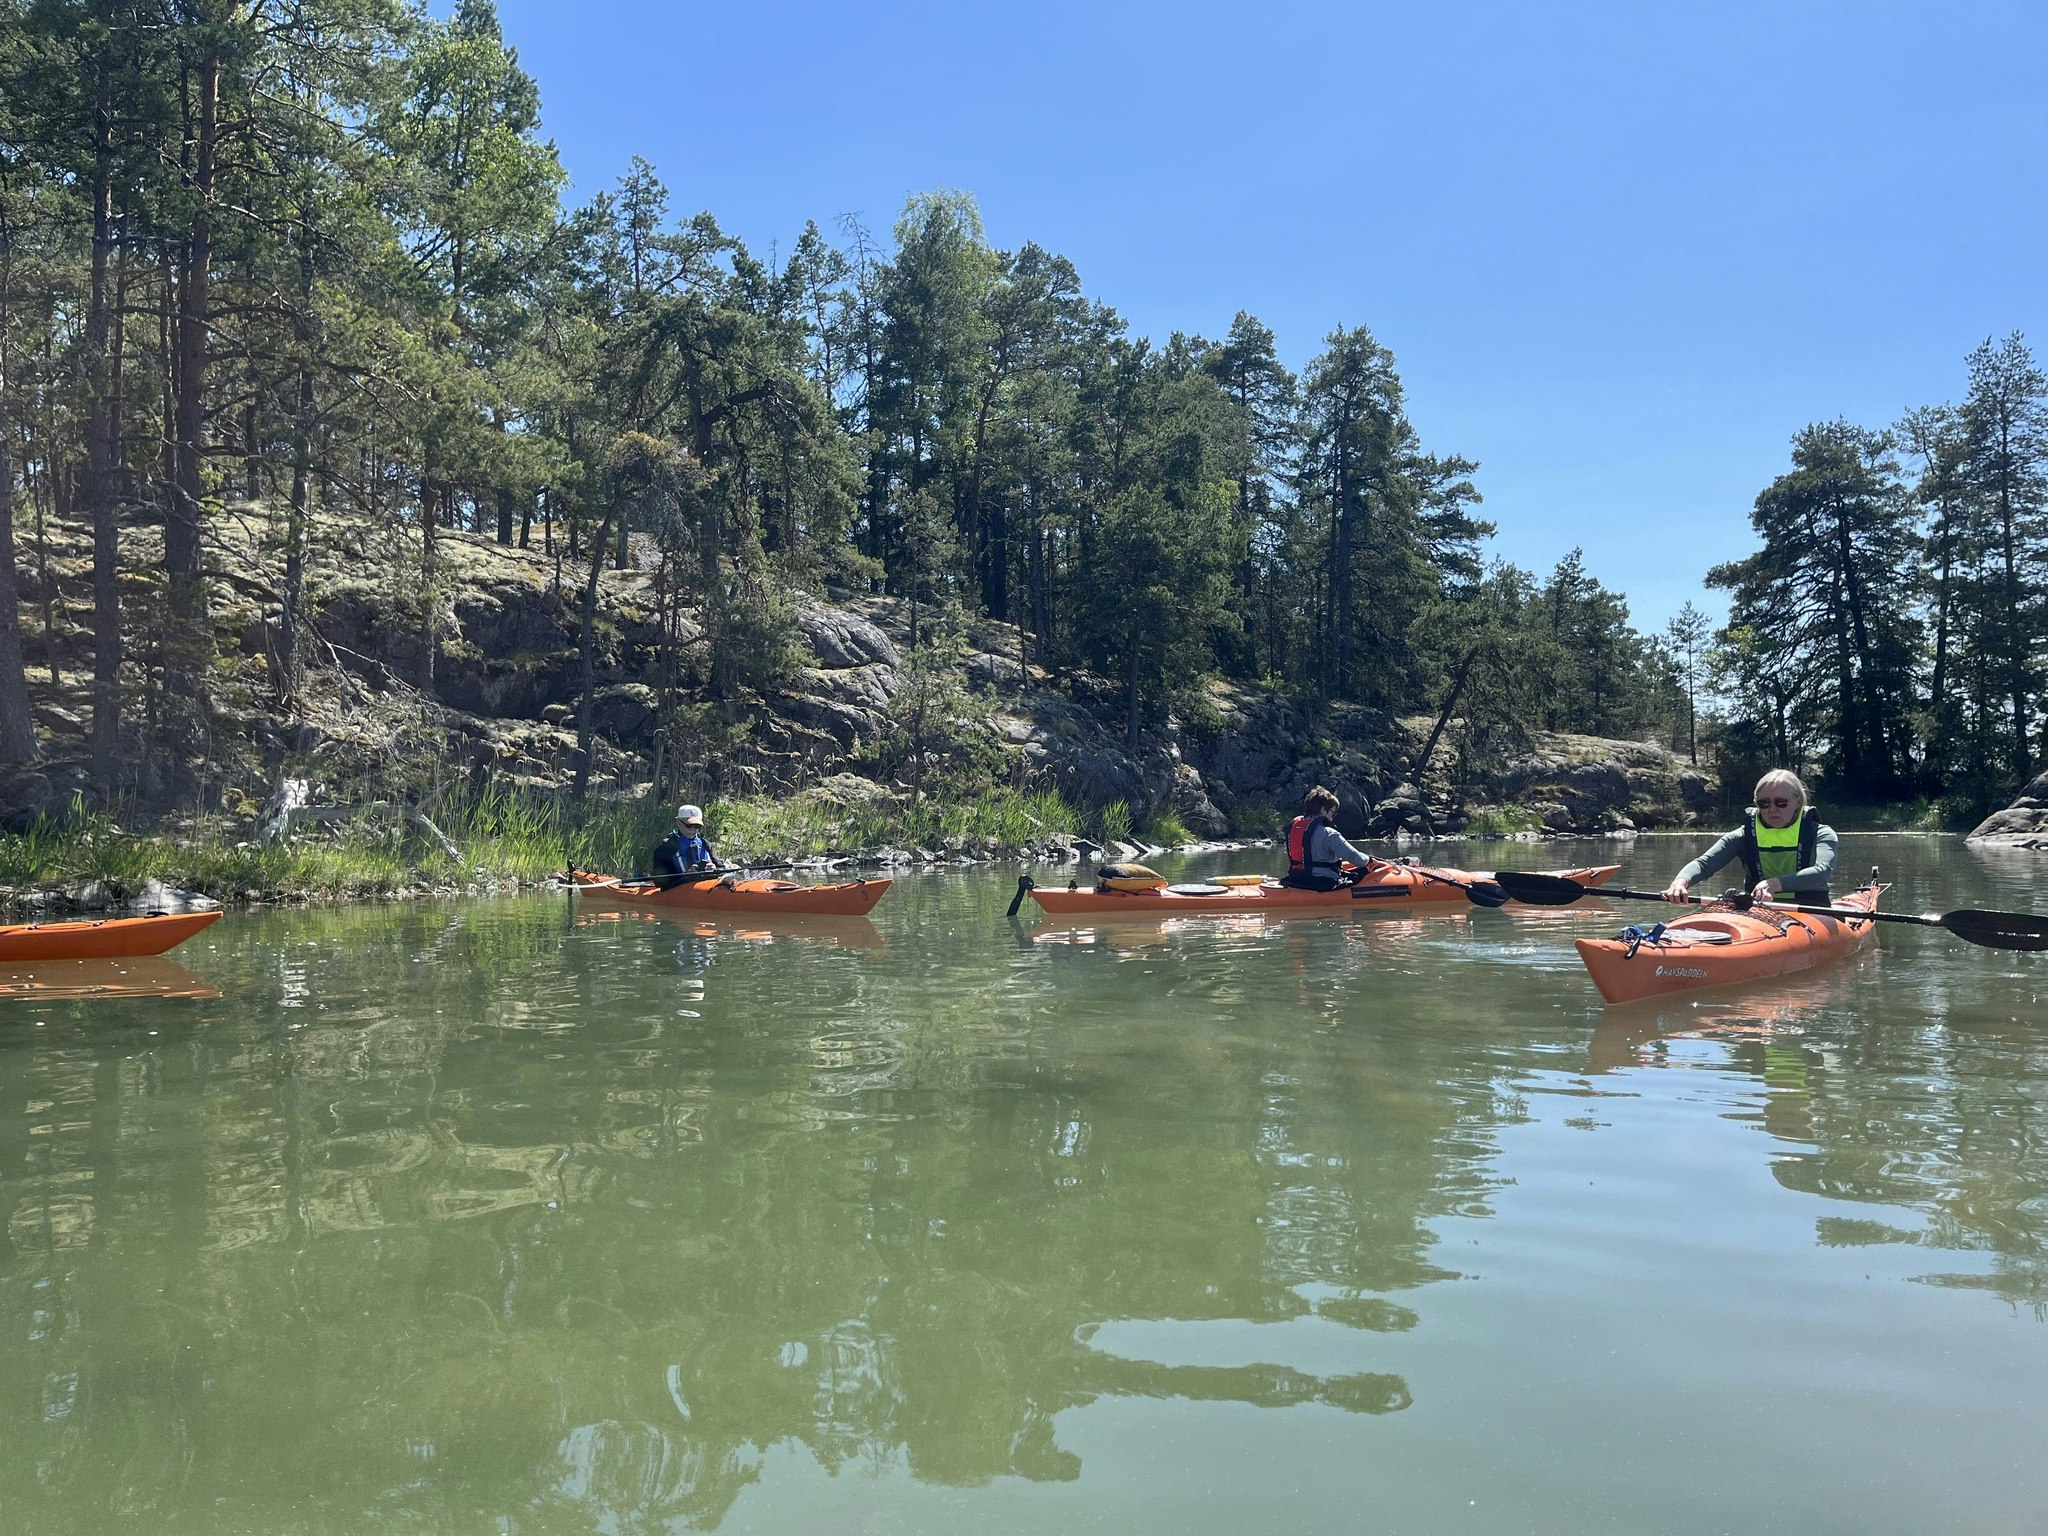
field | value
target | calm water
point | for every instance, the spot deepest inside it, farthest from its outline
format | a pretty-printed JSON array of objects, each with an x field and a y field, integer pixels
[{"x": 508, "y": 1218}]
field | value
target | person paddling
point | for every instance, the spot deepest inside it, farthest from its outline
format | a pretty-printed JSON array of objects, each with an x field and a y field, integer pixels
[
  {"x": 685, "y": 851},
  {"x": 1787, "y": 853},
  {"x": 1317, "y": 852}
]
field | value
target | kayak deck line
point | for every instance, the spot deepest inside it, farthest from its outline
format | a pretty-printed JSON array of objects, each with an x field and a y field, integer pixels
[
  {"x": 1387, "y": 883},
  {"x": 730, "y": 893}
]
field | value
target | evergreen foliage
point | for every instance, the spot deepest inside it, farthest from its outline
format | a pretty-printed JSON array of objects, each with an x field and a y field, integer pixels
[
  {"x": 1893, "y": 626},
  {"x": 299, "y": 257}
]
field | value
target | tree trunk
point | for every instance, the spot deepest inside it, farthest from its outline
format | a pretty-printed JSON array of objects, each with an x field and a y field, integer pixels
[
  {"x": 2015, "y": 627},
  {"x": 1443, "y": 718},
  {"x": 17, "y": 725},
  {"x": 190, "y": 653},
  {"x": 101, "y": 452},
  {"x": 298, "y": 517},
  {"x": 587, "y": 646},
  {"x": 291, "y": 658},
  {"x": 430, "y": 560},
  {"x": 1131, "y": 674}
]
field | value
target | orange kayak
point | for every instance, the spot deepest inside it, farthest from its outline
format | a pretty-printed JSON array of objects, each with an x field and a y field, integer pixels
[
  {"x": 1391, "y": 884},
  {"x": 101, "y": 938},
  {"x": 1718, "y": 946},
  {"x": 853, "y": 898}
]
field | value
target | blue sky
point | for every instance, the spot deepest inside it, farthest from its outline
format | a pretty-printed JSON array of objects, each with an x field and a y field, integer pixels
[{"x": 1621, "y": 252}]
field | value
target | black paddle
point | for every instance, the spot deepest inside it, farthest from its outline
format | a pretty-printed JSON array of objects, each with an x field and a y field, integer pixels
[
  {"x": 1481, "y": 893},
  {"x": 1992, "y": 930},
  {"x": 1024, "y": 885}
]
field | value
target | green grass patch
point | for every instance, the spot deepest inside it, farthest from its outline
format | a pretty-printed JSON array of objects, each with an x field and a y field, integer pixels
[
  {"x": 508, "y": 836},
  {"x": 1501, "y": 821},
  {"x": 1165, "y": 830}
]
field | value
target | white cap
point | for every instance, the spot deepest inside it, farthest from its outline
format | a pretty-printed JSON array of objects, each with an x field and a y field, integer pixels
[{"x": 689, "y": 814}]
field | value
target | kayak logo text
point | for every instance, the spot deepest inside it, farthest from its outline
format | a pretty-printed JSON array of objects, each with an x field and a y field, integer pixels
[{"x": 1680, "y": 970}]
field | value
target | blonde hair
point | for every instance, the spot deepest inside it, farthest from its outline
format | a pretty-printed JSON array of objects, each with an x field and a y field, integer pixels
[{"x": 1781, "y": 779}]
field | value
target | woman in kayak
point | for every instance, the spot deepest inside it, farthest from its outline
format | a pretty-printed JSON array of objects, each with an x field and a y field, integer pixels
[
  {"x": 685, "y": 851},
  {"x": 1786, "y": 852},
  {"x": 1317, "y": 853}
]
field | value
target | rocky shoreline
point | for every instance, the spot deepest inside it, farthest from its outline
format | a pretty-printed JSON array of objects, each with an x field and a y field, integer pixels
[{"x": 492, "y": 694}]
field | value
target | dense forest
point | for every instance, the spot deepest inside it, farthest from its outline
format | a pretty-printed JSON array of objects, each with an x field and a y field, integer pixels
[
  {"x": 307, "y": 261},
  {"x": 1894, "y": 625}
]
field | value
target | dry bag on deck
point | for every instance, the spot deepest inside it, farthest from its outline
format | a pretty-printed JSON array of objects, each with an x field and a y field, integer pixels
[{"x": 1128, "y": 877}]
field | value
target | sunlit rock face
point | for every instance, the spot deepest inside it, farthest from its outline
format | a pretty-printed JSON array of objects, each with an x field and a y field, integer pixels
[{"x": 2023, "y": 824}]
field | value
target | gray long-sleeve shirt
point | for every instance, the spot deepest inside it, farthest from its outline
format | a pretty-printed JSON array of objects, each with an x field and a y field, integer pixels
[
  {"x": 1811, "y": 881},
  {"x": 1327, "y": 846}
]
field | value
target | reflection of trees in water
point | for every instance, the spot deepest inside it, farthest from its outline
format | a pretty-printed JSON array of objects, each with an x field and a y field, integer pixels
[
  {"x": 1945, "y": 1121},
  {"x": 507, "y": 1233}
]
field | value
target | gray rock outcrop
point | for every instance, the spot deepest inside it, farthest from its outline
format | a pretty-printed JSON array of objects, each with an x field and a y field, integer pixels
[{"x": 2023, "y": 824}]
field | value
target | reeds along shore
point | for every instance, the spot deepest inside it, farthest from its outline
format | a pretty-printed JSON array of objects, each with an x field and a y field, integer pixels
[{"x": 507, "y": 839}]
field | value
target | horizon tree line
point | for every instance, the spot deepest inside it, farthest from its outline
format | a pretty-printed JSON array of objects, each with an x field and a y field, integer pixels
[{"x": 309, "y": 259}]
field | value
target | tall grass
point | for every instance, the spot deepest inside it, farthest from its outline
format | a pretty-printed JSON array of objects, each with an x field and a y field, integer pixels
[
  {"x": 998, "y": 819},
  {"x": 507, "y": 835},
  {"x": 1115, "y": 822}
]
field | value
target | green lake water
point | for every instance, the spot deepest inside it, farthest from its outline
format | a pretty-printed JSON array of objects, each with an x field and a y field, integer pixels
[{"x": 510, "y": 1217}]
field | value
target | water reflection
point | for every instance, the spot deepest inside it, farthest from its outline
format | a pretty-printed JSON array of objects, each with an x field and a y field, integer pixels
[
  {"x": 1884, "y": 1096},
  {"x": 71, "y": 980},
  {"x": 832, "y": 932},
  {"x": 494, "y": 1217}
]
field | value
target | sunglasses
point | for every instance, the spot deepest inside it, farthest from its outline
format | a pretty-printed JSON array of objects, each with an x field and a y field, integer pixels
[{"x": 1779, "y": 804}]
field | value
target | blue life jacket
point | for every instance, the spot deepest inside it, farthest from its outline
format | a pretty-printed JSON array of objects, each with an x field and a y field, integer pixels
[{"x": 678, "y": 854}]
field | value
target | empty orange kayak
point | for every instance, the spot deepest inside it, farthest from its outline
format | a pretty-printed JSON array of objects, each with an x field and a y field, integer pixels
[
  {"x": 101, "y": 938},
  {"x": 1391, "y": 884},
  {"x": 1717, "y": 946},
  {"x": 852, "y": 898}
]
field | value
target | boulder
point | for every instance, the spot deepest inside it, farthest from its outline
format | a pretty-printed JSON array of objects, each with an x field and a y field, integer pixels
[
  {"x": 869, "y": 687},
  {"x": 1192, "y": 804},
  {"x": 625, "y": 713},
  {"x": 989, "y": 669},
  {"x": 2023, "y": 824},
  {"x": 846, "y": 724},
  {"x": 841, "y": 639},
  {"x": 1402, "y": 810}
]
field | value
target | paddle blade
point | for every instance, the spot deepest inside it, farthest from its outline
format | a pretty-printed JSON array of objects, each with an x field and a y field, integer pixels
[
  {"x": 1538, "y": 890},
  {"x": 1998, "y": 930},
  {"x": 1023, "y": 886},
  {"x": 1485, "y": 893}
]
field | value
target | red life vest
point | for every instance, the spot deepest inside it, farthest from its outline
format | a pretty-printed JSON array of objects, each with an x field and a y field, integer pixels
[{"x": 1299, "y": 831}]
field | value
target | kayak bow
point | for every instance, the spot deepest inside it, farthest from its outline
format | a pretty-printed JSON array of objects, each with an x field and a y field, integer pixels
[
  {"x": 1718, "y": 946},
  {"x": 103, "y": 938}
]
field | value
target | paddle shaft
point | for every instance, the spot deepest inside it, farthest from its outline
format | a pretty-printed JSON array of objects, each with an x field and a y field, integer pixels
[
  {"x": 1987, "y": 929},
  {"x": 694, "y": 877},
  {"x": 1924, "y": 920}
]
